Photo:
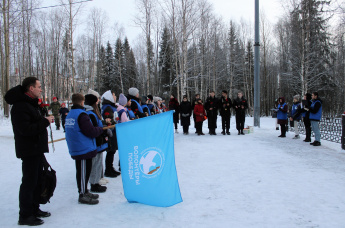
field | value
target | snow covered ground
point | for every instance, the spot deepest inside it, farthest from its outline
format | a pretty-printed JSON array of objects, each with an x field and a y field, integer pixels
[{"x": 256, "y": 180}]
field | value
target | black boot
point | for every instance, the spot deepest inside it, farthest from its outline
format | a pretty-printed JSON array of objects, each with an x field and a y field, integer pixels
[
  {"x": 242, "y": 132},
  {"x": 30, "y": 221},
  {"x": 239, "y": 132},
  {"x": 98, "y": 188}
]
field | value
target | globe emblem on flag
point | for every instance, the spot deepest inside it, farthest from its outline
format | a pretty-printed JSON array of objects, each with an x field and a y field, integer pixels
[{"x": 151, "y": 162}]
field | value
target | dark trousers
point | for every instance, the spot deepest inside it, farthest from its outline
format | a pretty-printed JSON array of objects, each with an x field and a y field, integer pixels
[
  {"x": 57, "y": 121},
  {"x": 29, "y": 192},
  {"x": 112, "y": 147},
  {"x": 226, "y": 123},
  {"x": 283, "y": 129},
  {"x": 198, "y": 126},
  {"x": 185, "y": 128},
  {"x": 109, "y": 160},
  {"x": 63, "y": 123},
  {"x": 83, "y": 168},
  {"x": 307, "y": 126},
  {"x": 240, "y": 119},
  {"x": 175, "y": 125}
]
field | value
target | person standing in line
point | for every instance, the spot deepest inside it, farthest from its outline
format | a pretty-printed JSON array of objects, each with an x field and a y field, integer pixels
[
  {"x": 296, "y": 114},
  {"x": 81, "y": 142},
  {"x": 133, "y": 95},
  {"x": 31, "y": 142},
  {"x": 315, "y": 117},
  {"x": 282, "y": 116},
  {"x": 109, "y": 111},
  {"x": 200, "y": 116},
  {"x": 174, "y": 105},
  {"x": 42, "y": 108},
  {"x": 225, "y": 112},
  {"x": 122, "y": 110},
  {"x": 240, "y": 105},
  {"x": 185, "y": 112},
  {"x": 211, "y": 107},
  {"x": 194, "y": 102},
  {"x": 55, "y": 107},
  {"x": 305, "y": 115},
  {"x": 63, "y": 113}
]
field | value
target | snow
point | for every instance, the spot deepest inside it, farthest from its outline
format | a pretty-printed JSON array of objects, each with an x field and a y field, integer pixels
[{"x": 256, "y": 180}]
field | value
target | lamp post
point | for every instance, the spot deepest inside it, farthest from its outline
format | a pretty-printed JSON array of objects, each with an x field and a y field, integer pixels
[{"x": 257, "y": 68}]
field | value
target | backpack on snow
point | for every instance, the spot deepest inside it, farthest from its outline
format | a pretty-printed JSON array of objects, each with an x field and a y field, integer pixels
[{"x": 48, "y": 182}]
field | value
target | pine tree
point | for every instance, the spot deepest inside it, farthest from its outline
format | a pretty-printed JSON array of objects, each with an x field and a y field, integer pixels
[{"x": 165, "y": 63}]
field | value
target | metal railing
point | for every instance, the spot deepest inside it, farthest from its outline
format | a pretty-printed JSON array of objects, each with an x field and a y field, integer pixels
[{"x": 330, "y": 129}]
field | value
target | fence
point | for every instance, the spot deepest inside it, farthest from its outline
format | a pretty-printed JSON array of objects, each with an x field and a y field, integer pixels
[{"x": 330, "y": 129}]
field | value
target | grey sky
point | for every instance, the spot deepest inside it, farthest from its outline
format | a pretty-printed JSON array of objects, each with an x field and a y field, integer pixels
[{"x": 123, "y": 11}]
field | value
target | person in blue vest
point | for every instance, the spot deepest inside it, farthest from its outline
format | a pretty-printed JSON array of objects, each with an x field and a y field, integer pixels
[
  {"x": 295, "y": 114},
  {"x": 131, "y": 114},
  {"x": 282, "y": 116},
  {"x": 91, "y": 108},
  {"x": 315, "y": 117},
  {"x": 109, "y": 110},
  {"x": 144, "y": 106},
  {"x": 133, "y": 95},
  {"x": 151, "y": 105},
  {"x": 81, "y": 141},
  {"x": 122, "y": 110}
]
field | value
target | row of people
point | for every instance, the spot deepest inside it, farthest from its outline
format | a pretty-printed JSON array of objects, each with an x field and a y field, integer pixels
[{"x": 309, "y": 110}]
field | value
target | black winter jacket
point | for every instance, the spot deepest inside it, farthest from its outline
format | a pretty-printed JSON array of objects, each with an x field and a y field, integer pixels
[{"x": 29, "y": 126}]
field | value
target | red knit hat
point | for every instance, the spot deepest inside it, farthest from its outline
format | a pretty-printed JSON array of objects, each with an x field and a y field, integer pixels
[
  {"x": 54, "y": 98},
  {"x": 63, "y": 104}
]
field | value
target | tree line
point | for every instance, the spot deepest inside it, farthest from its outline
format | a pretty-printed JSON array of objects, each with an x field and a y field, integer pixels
[{"x": 184, "y": 48}]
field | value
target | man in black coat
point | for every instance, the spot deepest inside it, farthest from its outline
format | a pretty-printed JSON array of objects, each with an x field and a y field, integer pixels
[
  {"x": 225, "y": 112},
  {"x": 31, "y": 141},
  {"x": 211, "y": 107},
  {"x": 240, "y": 105}
]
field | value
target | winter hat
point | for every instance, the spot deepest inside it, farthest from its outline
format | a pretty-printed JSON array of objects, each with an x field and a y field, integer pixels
[
  {"x": 108, "y": 96},
  {"x": 185, "y": 96},
  {"x": 93, "y": 93},
  {"x": 155, "y": 99},
  {"x": 122, "y": 99},
  {"x": 55, "y": 98},
  {"x": 133, "y": 91},
  {"x": 90, "y": 99},
  {"x": 297, "y": 97},
  {"x": 63, "y": 104},
  {"x": 150, "y": 97}
]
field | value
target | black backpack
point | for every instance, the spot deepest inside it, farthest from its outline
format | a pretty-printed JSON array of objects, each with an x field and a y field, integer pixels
[{"x": 48, "y": 182}]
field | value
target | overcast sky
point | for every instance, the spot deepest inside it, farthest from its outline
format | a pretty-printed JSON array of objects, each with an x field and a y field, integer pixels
[{"x": 123, "y": 11}]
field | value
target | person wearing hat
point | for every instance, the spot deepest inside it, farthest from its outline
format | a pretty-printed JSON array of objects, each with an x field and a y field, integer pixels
[
  {"x": 295, "y": 114},
  {"x": 240, "y": 104},
  {"x": 42, "y": 108},
  {"x": 63, "y": 113},
  {"x": 133, "y": 95},
  {"x": 185, "y": 112},
  {"x": 55, "y": 107},
  {"x": 91, "y": 108},
  {"x": 109, "y": 110},
  {"x": 122, "y": 110},
  {"x": 225, "y": 112},
  {"x": 200, "y": 116},
  {"x": 81, "y": 137}
]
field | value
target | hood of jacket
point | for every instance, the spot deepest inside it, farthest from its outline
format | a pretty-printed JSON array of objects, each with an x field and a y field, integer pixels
[{"x": 16, "y": 94}]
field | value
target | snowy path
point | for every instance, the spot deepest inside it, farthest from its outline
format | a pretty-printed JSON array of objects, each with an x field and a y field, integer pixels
[{"x": 256, "y": 180}]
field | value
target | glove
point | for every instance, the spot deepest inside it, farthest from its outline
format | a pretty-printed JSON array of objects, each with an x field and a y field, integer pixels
[{"x": 109, "y": 133}]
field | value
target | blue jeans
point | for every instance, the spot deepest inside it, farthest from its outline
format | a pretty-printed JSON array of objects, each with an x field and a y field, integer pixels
[{"x": 316, "y": 129}]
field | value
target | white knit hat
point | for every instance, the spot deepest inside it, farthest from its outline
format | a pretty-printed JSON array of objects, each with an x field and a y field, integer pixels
[
  {"x": 133, "y": 91},
  {"x": 93, "y": 93},
  {"x": 108, "y": 96}
]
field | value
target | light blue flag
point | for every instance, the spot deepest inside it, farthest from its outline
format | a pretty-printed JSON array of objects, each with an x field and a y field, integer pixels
[{"x": 146, "y": 150}]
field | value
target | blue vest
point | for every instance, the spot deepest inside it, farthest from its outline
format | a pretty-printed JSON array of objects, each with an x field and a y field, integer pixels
[
  {"x": 139, "y": 107},
  {"x": 294, "y": 110},
  {"x": 281, "y": 115},
  {"x": 131, "y": 114},
  {"x": 151, "y": 106},
  {"x": 145, "y": 106},
  {"x": 108, "y": 105},
  {"x": 77, "y": 142},
  {"x": 315, "y": 116},
  {"x": 99, "y": 124}
]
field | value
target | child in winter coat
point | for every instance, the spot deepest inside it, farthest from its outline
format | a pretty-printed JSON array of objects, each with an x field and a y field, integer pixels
[
  {"x": 200, "y": 115},
  {"x": 122, "y": 110},
  {"x": 42, "y": 108},
  {"x": 63, "y": 113},
  {"x": 296, "y": 114}
]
